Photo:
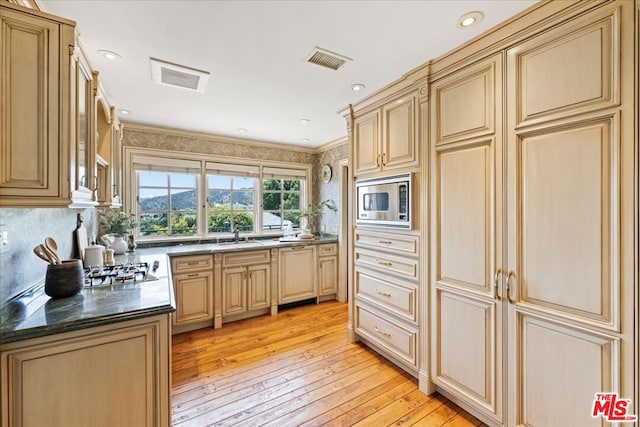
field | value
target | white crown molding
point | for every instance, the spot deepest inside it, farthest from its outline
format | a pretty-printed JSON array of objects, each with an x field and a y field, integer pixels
[{"x": 332, "y": 144}]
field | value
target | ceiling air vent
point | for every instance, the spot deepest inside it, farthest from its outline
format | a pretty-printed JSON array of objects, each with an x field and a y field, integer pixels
[
  {"x": 326, "y": 58},
  {"x": 170, "y": 74}
]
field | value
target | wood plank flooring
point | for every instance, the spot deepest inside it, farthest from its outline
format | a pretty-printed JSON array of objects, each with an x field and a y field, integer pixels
[{"x": 296, "y": 369}]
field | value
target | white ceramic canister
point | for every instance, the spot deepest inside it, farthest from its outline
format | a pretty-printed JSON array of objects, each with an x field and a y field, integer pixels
[{"x": 93, "y": 256}]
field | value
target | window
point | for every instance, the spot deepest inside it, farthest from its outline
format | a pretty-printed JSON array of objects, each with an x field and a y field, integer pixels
[
  {"x": 230, "y": 203},
  {"x": 195, "y": 196},
  {"x": 280, "y": 203},
  {"x": 167, "y": 203}
]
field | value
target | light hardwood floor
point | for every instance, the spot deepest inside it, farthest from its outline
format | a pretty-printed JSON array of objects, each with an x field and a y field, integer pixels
[{"x": 296, "y": 368}]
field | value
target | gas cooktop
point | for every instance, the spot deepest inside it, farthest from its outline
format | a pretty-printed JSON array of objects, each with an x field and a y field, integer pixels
[{"x": 116, "y": 274}]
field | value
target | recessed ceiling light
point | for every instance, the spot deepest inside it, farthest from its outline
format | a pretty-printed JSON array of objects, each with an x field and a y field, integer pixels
[
  {"x": 125, "y": 112},
  {"x": 304, "y": 121},
  {"x": 305, "y": 140},
  {"x": 357, "y": 87},
  {"x": 109, "y": 54},
  {"x": 242, "y": 130},
  {"x": 469, "y": 19}
]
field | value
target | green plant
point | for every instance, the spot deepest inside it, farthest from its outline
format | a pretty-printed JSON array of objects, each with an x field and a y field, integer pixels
[
  {"x": 315, "y": 211},
  {"x": 114, "y": 221}
]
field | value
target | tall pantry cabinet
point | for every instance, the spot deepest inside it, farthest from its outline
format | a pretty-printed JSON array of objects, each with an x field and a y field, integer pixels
[
  {"x": 533, "y": 282},
  {"x": 388, "y": 136}
]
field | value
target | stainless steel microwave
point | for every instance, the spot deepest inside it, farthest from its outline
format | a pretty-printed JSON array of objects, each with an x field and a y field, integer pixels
[{"x": 385, "y": 201}]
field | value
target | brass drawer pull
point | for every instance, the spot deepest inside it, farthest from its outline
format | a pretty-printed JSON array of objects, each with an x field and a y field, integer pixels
[
  {"x": 385, "y": 242},
  {"x": 385, "y": 294},
  {"x": 385, "y": 263},
  {"x": 193, "y": 275},
  {"x": 381, "y": 332}
]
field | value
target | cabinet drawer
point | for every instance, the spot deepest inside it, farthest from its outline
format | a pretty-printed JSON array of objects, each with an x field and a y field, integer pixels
[
  {"x": 400, "y": 244},
  {"x": 392, "y": 296},
  {"x": 191, "y": 262},
  {"x": 403, "y": 267},
  {"x": 246, "y": 258},
  {"x": 394, "y": 338},
  {"x": 330, "y": 249}
]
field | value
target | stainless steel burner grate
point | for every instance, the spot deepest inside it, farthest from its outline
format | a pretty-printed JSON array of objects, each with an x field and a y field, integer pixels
[{"x": 115, "y": 274}]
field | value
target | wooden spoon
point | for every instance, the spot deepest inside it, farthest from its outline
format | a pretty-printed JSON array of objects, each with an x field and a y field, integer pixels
[
  {"x": 39, "y": 251},
  {"x": 52, "y": 245},
  {"x": 53, "y": 257}
]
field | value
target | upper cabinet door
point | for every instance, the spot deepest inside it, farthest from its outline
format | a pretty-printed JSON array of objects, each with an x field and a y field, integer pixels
[
  {"x": 34, "y": 52},
  {"x": 83, "y": 164},
  {"x": 464, "y": 104},
  {"x": 399, "y": 147},
  {"x": 366, "y": 143},
  {"x": 563, "y": 73},
  {"x": 387, "y": 137}
]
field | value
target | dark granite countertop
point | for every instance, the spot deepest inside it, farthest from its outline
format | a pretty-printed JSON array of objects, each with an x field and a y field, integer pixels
[{"x": 34, "y": 314}]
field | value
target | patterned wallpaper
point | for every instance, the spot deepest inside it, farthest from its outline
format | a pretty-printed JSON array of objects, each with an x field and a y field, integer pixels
[
  {"x": 330, "y": 220},
  {"x": 222, "y": 147}
]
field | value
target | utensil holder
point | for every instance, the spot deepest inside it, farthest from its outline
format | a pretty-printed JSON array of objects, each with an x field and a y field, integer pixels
[{"x": 65, "y": 279}]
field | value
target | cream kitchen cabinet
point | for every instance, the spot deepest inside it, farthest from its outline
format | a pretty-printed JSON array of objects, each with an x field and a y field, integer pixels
[
  {"x": 193, "y": 287},
  {"x": 532, "y": 262},
  {"x": 43, "y": 89},
  {"x": 108, "y": 147},
  {"x": 246, "y": 284},
  {"x": 387, "y": 138},
  {"x": 386, "y": 293},
  {"x": 297, "y": 274},
  {"x": 570, "y": 218},
  {"x": 466, "y": 357},
  {"x": 118, "y": 374},
  {"x": 327, "y": 270}
]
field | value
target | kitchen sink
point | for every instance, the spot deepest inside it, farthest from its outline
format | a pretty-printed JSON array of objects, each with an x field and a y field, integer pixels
[{"x": 241, "y": 243}]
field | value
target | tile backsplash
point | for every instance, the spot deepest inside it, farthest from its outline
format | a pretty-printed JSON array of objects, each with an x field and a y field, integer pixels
[{"x": 25, "y": 228}]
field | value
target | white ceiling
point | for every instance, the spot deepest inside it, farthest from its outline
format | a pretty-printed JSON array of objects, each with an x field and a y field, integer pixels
[{"x": 256, "y": 51}]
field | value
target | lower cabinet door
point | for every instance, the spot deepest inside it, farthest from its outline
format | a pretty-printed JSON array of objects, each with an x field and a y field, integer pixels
[
  {"x": 234, "y": 296},
  {"x": 116, "y": 375},
  {"x": 259, "y": 286},
  {"x": 466, "y": 349},
  {"x": 327, "y": 275},
  {"x": 194, "y": 297},
  {"x": 297, "y": 278}
]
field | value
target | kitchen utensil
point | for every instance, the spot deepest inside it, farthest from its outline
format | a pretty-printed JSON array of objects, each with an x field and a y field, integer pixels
[
  {"x": 41, "y": 254},
  {"x": 64, "y": 279},
  {"x": 53, "y": 257},
  {"x": 51, "y": 248},
  {"x": 81, "y": 237},
  {"x": 52, "y": 245}
]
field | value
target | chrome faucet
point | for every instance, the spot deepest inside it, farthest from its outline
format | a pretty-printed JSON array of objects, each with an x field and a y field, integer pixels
[{"x": 236, "y": 234}]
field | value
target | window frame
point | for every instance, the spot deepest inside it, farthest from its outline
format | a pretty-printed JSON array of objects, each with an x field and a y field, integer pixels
[
  {"x": 168, "y": 211},
  {"x": 134, "y": 157}
]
